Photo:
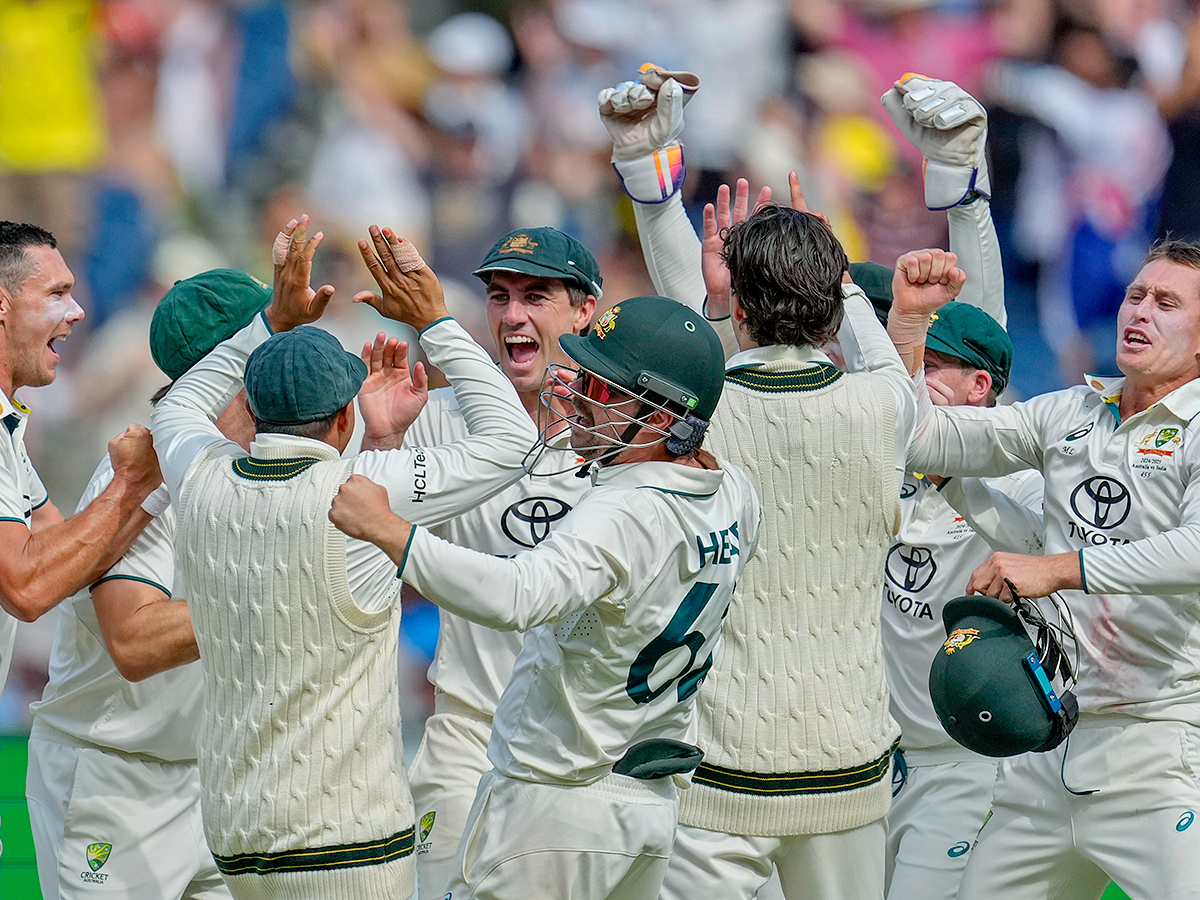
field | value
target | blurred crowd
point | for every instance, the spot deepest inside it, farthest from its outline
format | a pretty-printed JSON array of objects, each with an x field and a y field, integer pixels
[{"x": 158, "y": 138}]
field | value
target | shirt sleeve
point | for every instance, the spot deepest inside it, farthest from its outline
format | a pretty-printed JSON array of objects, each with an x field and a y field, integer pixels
[
  {"x": 973, "y": 239},
  {"x": 14, "y": 505},
  {"x": 183, "y": 421},
  {"x": 151, "y": 559},
  {"x": 428, "y": 485},
  {"x": 972, "y": 440},
  {"x": 671, "y": 250},
  {"x": 1010, "y": 519},
  {"x": 866, "y": 347},
  {"x": 600, "y": 549}
]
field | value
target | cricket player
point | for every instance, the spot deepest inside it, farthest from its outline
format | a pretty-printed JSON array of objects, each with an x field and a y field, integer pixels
[
  {"x": 541, "y": 284},
  {"x": 43, "y": 558},
  {"x": 124, "y": 701},
  {"x": 301, "y": 766},
  {"x": 622, "y": 607},
  {"x": 941, "y": 791},
  {"x": 1118, "y": 800}
]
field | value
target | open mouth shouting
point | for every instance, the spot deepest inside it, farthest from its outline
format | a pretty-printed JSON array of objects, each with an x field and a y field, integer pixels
[{"x": 521, "y": 350}]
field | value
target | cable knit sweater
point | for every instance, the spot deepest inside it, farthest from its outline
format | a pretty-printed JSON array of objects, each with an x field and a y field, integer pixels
[
  {"x": 301, "y": 765},
  {"x": 794, "y": 718}
]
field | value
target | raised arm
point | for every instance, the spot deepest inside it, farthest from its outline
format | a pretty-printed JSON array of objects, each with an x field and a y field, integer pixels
[
  {"x": 949, "y": 127},
  {"x": 42, "y": 567},
  {"x": 432, "y": 484}
]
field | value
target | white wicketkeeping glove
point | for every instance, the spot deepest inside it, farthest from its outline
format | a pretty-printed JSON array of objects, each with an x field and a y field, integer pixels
[
  {"x": 645, "y": 119},
  {"x": 949, "y": 127}
]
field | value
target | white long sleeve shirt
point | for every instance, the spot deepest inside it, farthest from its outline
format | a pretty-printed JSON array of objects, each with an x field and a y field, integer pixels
[{"x": 1125, "y": 497}]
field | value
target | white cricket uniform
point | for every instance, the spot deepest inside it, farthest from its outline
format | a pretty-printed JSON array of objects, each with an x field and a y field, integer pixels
[
  {"x": 21, "y": 492},
  {"x": 425, "y": 485},
  {"x": 941, "y": 790},
  {"x": 1121, "y": 495},
  {"x": 473, "y": 663},
  {"x": 622, "y": 606},
  {"x": 92, "y": 729}
]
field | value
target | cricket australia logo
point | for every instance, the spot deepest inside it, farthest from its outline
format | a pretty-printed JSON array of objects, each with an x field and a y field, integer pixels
[
  {"x": 528, "y": 521},
  {"x": 606, "y": 323},
  {"x": 1163, "y": 438},
  {"x": 910, "y": 568},
  {"x": 427, "y": 824},
  {"x": 1102, "y": 502},
  {"x": 96, "y": 855},
  {"x": 519, "y": 243},
  {"x": 959, "y": 638}
]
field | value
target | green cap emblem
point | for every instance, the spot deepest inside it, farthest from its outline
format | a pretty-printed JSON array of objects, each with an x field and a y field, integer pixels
[
  {"x": 97, "y": 855},
  {"x": 427, "y": 824}
]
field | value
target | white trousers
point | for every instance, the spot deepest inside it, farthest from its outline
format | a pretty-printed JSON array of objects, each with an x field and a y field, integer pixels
[
  {"x": 444, "y": 777},
  {"x": 1138, "y": 828},
  {"x": 846, "y": 865},
  {"x": 608, "y": 840},
  {"x": 932, "y": 825},
  {"x": 105, "y": 823}
]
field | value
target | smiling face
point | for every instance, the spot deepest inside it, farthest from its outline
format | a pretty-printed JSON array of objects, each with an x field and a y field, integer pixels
[
  {"x": 600, "y": 416},
  {"x": 1158, "y": 326},
  {"x": 526, "y": 316},
  {"x": 34, "y": 318}
]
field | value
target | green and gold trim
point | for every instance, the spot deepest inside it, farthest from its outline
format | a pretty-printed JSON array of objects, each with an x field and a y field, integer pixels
[
  {"x": 808, "y": 379},
  {"x": 789, "y": 783},
  {"x": 347, "y": 856},
  {"x": 271, "y": 469}
]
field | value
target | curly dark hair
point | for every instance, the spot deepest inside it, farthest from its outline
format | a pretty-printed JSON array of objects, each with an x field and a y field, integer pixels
[
  {"x": 15, "y": 265},
  {"x": 785, "y": 267}
]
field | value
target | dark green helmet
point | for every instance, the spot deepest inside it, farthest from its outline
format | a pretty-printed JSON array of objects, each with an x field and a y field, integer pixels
[
  {"x": 657, "y": 347},
  {"x": 987, "y": 683}
]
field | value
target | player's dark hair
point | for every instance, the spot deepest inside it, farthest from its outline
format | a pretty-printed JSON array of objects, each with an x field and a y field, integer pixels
[
  {"x": 157, "y": 396},
  {"x": 316, "y": 429},
  {"x": 1185, "y": 252},
  {"x": 785, "y": 266},
  {"x": 15, "y": 264}
]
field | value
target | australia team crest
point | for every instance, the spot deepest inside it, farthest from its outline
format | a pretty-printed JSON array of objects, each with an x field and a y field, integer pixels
[
  {"x": 959, "y": 638},
  {"x": 607, "y": 322}
]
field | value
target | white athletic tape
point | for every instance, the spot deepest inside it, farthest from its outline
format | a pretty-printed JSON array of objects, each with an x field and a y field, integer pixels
[
  {"x": 279, "y": 249},
  {"x": 406, "y": 255},
  {"x": 157, "y": 501}
]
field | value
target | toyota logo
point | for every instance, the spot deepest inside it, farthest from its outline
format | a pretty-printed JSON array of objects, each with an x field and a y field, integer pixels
[
  {"x": 528, "y": 521},
  {"x": 1101, "y": 501},
  {"x": 907, "y": 489},
  {"x": 910, "y": 568}
]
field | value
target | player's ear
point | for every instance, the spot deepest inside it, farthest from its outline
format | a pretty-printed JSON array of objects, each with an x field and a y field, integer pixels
[
  {"x": 584, "y": 313},
  {"x": 980, "y": 387}
]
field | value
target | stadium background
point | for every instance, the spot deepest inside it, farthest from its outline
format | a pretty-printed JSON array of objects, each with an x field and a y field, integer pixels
[{"x": 158, "y": 138}]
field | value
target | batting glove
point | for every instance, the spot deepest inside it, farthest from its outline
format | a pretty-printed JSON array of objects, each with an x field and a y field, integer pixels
[
  {"x": 949, "y": 127},
  {"x": 644, "y": 119}
]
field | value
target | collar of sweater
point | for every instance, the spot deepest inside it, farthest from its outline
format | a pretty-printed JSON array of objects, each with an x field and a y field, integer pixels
[
  {"x": 777, "y": 355},
  {"x": 286, "y": 446}
]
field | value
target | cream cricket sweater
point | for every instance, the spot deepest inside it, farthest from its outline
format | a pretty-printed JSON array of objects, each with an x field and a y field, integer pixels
[
  {"x": 304, "y": 791},
  {"x": 794, "y": 719}
]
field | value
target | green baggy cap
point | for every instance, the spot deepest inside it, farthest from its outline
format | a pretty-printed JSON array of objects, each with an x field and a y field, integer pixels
[
  {"x": 300, "y": 376},
  {"x": 547, "y": 252},
  {"x": 968, "y": 333},
  {"x": 200, "y": 312}
]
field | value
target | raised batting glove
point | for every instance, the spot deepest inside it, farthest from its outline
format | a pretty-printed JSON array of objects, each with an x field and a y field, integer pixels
[
  {"x": 644, "y": 119},
  {"x": 949, "y": 127}
]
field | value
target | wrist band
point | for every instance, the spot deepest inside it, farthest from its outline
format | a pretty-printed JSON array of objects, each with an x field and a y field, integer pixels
[{"x": 157, "y": 501}]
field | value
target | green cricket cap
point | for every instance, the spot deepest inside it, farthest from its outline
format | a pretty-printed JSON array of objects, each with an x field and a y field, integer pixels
[
  {"x": 968, "y": 333},
  {"x": 876, "y": 282},
  {"x": 984, "y": 694},
  {"x": 658, "y": 346},
  {"x": 200, "y": 312},
  {"x": 547, "y": 252},
  {"x": 300, "y": 376}
]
